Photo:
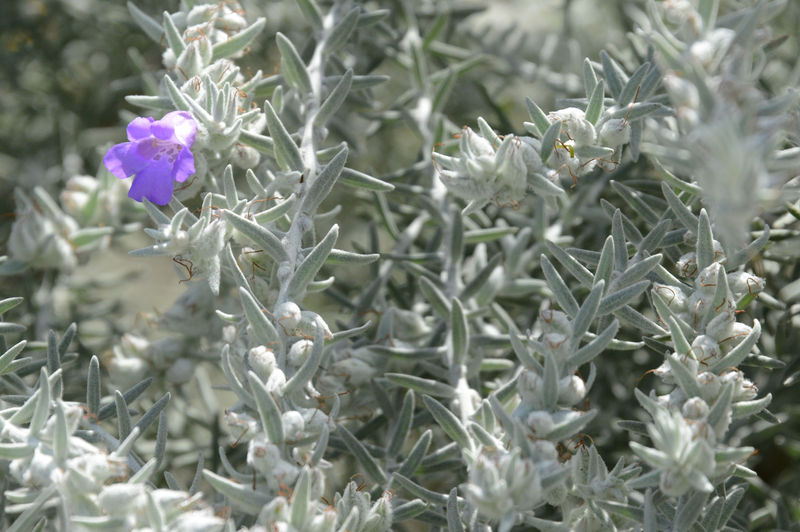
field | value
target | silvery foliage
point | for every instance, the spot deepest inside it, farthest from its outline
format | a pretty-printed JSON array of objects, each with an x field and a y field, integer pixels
[{"x": 458, "y": 397}]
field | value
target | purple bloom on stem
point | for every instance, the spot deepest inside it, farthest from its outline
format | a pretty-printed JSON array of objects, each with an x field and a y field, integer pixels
[{"x": 159, "y": 153}]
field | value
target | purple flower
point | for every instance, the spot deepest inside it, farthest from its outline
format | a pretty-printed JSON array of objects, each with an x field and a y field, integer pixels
[{"x": 159, "y": 153}]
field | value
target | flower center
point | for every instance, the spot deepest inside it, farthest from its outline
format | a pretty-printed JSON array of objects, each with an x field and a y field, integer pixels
[{"x": 165, "y": 149}]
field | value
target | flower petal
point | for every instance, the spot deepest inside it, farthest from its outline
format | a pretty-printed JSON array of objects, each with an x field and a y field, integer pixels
[
  {"x": 123, "y": 160},
  {"x": 139, "y": 128},
  {"x": 184, "y": 166},
  {"x": 183, "y": 125},
  {"x": 162, "y": 130},
  {"x": 154, "y": 183}
]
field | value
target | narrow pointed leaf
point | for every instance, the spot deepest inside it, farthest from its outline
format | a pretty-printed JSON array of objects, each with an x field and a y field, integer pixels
[
  {"x": 335, "y": 99},
  {"x": 586, "y": 314},
  {"x": 174, "y": 39},
  {"x": 42, "y": 410},
  {"x": 323, "y": 183},
  {"x": 580, "y": 273},
  {"x": 633, "y": 85},
  {"x": 589, "y": 77},
  {"x": 550, "y": 381},
  {"x": 148, "y": 24},
  {"x": 705, "y": 242},
  {"x": 130, "y": 396},
  {"x": 563, "y": 295},
  {"x": 416, "y": 490},
  {"x": 402, "y": 426},
  {"x": 435, "y": 297},
  {"x": 595, "y": 107},
  {"x": 310, "y": 366},
  {"x": 262, "y": 237},
  {"x": 93, "y": 386},
  {"x": 287, "y": 154},
  {"x": 362, "y": 456},
  {"x": 268, "y": 411},
  {"x": 686, "y": 380},
  {"x": 238, "y": 42},
  {"x": 681, "y": 211},
  {"x": 656, "y": 235},
  {"x": 344, "y": 28},
  {"x": 621, "y": 298},
  {"x": 417, "y": 453},
  {"x": 7, "y": 358},
  {"x": 606, "y": 263},
  {"x": 539, "y": 118},
  {"x": 449, "y": 422},
  {"x": 308, "y": 269},
  {"x": 300, "y": 496},
  {"x": 148, "y": 417},
  {"x": 453, "y": 517},
  {"x": 521, "y": 351},
  {"x": 549, "y": 139},
  {"x": 588, "y": 352},
  {"x": 124, "y": 422},
  {"x": 356, "y": 179},
  {"x": 690, "y": 510},
  {"x": 264, "y": 331},
  {"x": 239, "y": 495},
  {"x": 261, "y": 143},
  {"x": 736, "y": 355},
  {"x": 612, "y": 73},
  {"x": 292, "y": 67},
  {"x": 570, "y": 427},
  {"x": 459, "y": 332},
  {"x": 748, "y": 408},
  {"x": 422, "y": 385}
]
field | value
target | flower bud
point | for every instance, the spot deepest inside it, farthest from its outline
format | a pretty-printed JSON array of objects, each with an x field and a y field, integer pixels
[
  {"x": 687, "y": 265},
  {"x": 241, "y": 427},
  {"x": 245, "y": 156},
  {"x": 276, "y": 382},
  {"x": 324, "y": 522},
  {"x": 293, "y": 425},
  {"x": 541, "y": 423},
  {"x": 571, "y": 390},
  {"x": 474, "y": 145},
  {"x": 672, "y": 295},
  {"x": 705, "y": 349},
  {"x": 299, "y": 352},
  {"x": 262, "y": 360},
  {"x": 529, "y": 385},
  {"x": 710, "y": 385},
  {"x": 379, "y": 517},
  {"x": 119, "y": 499},
  {"x": 736, "y": 334},
  {"x": 554, "y": 321},
  {"x": 309, "y": 322},
  {"x": 695, "y": 408},
  {"x": 288, "y": 315},
  {"x": 529, "y": 150},
  {"x": 263, "y": 456},
  {"x": 742, "y": 283},
  {"x": 615, "y": 132},
  {"x": 574, "y": 123},
  {"x": 314, "y": 419},
  {"x": 706, "y": 280}
]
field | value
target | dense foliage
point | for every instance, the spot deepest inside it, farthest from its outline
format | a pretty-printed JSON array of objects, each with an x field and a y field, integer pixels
[{"x": 439, "y": 265}]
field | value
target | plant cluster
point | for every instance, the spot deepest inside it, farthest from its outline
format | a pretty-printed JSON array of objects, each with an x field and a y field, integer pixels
[{"x": 583, "y": 319}]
